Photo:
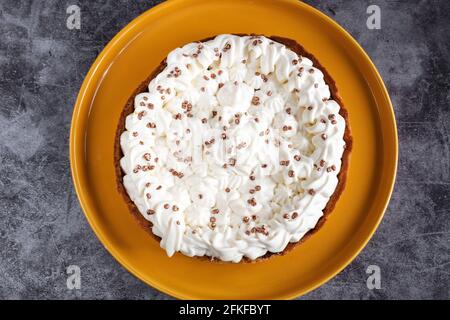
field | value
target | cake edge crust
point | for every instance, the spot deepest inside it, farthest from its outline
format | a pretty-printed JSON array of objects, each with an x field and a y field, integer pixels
[{"x": 342, "y": 176}]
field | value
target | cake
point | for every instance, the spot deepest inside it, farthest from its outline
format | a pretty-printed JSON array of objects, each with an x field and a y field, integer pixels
[{"x": 234, "y": 149}]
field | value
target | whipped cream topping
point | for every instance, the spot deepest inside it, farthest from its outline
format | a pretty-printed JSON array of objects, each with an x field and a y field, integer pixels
[{"x": 234, "y": 150}]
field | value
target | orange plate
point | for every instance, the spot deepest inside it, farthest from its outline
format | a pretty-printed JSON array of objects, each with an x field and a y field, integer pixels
[{"x": 130, "y": 57}]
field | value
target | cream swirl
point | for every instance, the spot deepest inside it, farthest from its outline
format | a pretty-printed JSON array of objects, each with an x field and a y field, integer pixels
[{"x": 234, "y": 150}]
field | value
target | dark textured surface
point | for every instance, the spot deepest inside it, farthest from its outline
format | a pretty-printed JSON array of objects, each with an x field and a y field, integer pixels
[{"x": 42, "y": 228}]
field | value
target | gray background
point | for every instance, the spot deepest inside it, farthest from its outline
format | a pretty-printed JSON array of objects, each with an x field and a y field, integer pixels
[{"x": 42, "y": 228}]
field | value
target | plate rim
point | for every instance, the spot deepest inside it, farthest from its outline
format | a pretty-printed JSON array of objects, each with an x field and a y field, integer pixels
[{"x": 74, "y": 148}]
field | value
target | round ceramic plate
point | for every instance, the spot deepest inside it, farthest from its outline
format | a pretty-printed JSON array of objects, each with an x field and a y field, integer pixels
[{"x": 131, "y": 56}]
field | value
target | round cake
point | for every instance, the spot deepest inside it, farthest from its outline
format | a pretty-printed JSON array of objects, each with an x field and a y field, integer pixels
[{"x": 235, "y": 148}]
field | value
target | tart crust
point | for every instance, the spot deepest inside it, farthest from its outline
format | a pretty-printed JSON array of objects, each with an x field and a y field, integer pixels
[{"x": 342, "y": 176}]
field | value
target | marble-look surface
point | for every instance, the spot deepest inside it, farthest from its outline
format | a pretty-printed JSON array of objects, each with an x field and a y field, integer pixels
[{"x": 42, "y": 228}]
